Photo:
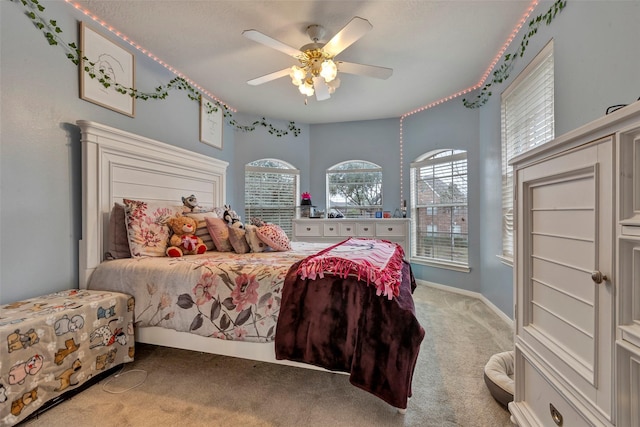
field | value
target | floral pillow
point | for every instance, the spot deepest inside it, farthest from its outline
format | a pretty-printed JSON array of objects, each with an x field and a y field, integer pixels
[
  {"x": 274, "y": 237},
  {"x": 147, "y": 227}
]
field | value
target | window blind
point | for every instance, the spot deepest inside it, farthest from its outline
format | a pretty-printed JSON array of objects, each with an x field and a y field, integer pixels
[
  {"x": 527, "y": 109},
  {"x": 271, "y": 194},
  {"x": 439, "y": 214}
]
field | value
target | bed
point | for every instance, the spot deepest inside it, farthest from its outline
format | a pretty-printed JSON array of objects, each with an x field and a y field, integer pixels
[{"x": 199, "y": 310}]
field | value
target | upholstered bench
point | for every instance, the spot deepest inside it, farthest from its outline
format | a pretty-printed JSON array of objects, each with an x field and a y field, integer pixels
[{"x": 51, "y": 345}]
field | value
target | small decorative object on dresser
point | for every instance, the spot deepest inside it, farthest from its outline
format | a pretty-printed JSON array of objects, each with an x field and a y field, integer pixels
[{"x": 305, "y": 199}]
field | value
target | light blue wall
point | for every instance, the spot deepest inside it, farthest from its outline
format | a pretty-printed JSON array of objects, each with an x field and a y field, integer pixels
[
  {"x": 596, "y": 65},
  {"x": 374, "y": 141},
  {"x": 40, "y": 182},
  {"x": 449, "y": 125},
  {"x": 250, "y": 146}
]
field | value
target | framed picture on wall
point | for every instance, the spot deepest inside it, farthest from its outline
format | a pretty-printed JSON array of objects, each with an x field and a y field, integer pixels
[
  {"x": 105, "y": 60},
  {"x": 210, "y": 123}
]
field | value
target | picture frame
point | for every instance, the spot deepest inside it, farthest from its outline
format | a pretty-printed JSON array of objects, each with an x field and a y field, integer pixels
[
  {"x": 211, "y": 124},
  {"x": 115, "y": 62}
]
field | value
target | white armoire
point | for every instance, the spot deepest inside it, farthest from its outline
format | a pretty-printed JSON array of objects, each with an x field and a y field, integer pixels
[{"x": 577, "y": 277}]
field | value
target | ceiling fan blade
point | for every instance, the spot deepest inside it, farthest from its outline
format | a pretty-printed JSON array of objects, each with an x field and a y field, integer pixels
[
  {"x": 268, "y": 77},
  {"x": 257, "y": 36},
  {"x": 321, "y": 89},
  {"x": 364, "y": 70},
  {"x": 349, "y": 34}
]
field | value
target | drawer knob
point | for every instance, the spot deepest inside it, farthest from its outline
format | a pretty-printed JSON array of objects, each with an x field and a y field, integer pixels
[
  {"x": 348, "y": 228},
  {"x": 555, "y": 415},
  {"x": 330, "y": 228},
  {"x": 366, "y": 229},
  {"x": 308, "y": 228},
  {"x": 390, "y": 229},
  {"x": 598, "y": 277}
]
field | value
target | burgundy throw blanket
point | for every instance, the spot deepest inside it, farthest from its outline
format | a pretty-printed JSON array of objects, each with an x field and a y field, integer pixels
[{"x": 341, "y": 324}]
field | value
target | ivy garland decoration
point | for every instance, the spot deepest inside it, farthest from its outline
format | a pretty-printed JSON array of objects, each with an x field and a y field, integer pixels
[
  {"x": 502, "y": 73},
  {"x": 52, "y": 31}
]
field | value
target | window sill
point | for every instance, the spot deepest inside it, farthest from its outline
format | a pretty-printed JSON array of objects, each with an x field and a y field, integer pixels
[
  {"x": 506, "y": 261},
  {"x": 441, "y": 264}
]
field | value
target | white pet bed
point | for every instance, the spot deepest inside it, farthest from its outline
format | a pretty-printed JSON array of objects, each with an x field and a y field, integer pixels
[{"x": 498, "y": 375}]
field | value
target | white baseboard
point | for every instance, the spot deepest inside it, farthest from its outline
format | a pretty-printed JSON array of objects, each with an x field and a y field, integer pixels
[{"x": 477, "y": 295}]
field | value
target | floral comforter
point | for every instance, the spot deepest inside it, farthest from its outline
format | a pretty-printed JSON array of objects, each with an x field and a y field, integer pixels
[{"x": 217, "y": 294}]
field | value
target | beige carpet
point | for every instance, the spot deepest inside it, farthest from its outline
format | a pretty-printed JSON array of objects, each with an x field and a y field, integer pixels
[{"x": 184, "y": 388}]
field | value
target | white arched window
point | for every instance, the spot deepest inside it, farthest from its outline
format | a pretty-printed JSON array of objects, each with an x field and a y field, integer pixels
[
  {"x": 270, "y": 192},
  {"x": 439, "y": 213},
  {"x": 354, "y": 189}
]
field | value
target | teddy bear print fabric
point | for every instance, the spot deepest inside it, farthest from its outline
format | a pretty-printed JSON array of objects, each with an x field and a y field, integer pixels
[{"x": 55, "y": 343}]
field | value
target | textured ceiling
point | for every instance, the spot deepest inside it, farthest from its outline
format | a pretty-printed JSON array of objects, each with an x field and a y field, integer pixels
[{"x": 435, "y": 48}]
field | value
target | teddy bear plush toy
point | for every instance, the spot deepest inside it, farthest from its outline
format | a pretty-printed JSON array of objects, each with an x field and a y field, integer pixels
[{"x": 184, "y": 241}]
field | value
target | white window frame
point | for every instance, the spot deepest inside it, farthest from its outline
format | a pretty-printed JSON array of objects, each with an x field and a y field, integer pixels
[
  {"x": 268, "y": 202},
  {"x": 431, "y": 159},
  {"x": 363, "y": 211},
  {"x": 527, "y": 120}
]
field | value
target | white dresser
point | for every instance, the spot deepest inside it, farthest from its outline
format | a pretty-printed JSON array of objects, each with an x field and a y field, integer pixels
[
  {"x": 577, "y": 277},
  {"x": 335, "y": 230}
]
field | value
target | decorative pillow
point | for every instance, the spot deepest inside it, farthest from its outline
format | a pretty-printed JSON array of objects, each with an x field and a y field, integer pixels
[
  {"x": 147, "y": 227},
  {"x": 253, "y": 240},
  {"x": 274, "y": 236},
  {"x": 238, "y": 240},
  {"x": 118, "y": 236},
  {"x": 219, "y": 231},
  {"x": 201, "y": 230}
]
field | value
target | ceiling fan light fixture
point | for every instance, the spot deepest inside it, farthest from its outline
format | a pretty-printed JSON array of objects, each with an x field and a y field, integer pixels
[
  {"x": 333, "y": 85},
  {"x": 317, "y": 71},
  {"x": 306, "y": 88},
  {"x": 297, "y": 75},
  {"x": 329, "y": 70}
]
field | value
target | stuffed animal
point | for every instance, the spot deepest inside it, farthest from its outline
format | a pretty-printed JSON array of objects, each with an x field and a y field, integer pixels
[
  {"x": 257, "y": 221},
  {"x": 190, "y": 202},
  {"x": 231, "y": 217},
  {"x": 184, "y": 241}
]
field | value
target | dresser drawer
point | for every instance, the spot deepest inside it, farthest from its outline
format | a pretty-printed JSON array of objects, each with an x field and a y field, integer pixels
[
  {"x": 538, "y": 402},
  {"x": 347, "y": 229},
  {"x": 308, "y": 230},
  {"x": 383, "y": 229},
  {"x": 365, "y": 230},
  {"x": 331, "y": 229}
]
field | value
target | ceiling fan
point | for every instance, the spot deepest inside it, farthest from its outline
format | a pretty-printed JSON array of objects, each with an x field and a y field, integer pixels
[{"x": 318, "y": 69}]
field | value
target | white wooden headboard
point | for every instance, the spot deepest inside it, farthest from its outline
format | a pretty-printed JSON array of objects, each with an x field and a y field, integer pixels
[{"x": 118, "y": 164}]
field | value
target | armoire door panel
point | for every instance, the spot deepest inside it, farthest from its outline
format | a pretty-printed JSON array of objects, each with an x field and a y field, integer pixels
[{"x": 565, "y": 212}]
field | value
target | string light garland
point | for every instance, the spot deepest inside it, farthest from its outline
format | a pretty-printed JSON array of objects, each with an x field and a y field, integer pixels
[
  {"x": 52, "y": 31},
  {"x": 499, "y": 75},
  {"x": 502, "y": 73}
]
